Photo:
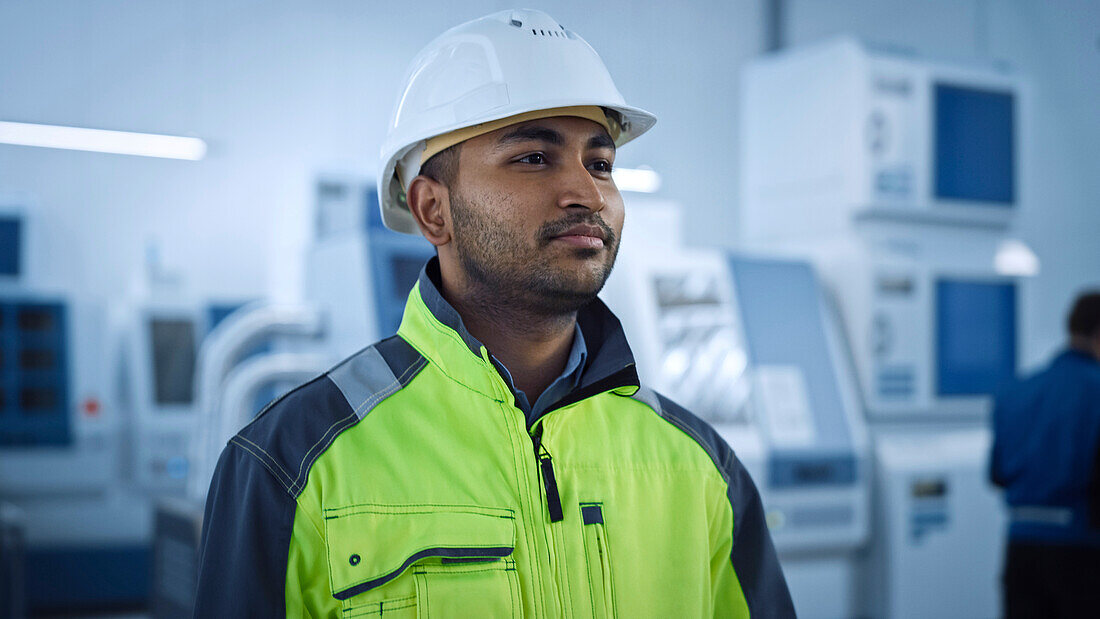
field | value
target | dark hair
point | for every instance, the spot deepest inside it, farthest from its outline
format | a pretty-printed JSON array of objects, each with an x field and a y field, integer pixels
[
  {"x": 1084, "y": 318},
  {"x": 442, "y": 167}
]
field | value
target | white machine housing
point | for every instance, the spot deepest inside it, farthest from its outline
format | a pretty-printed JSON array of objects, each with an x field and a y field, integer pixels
[
  {"x": 937, "y": 547},
  {"x": 886, "y": 281},
  {"x": 162, "y": 340},
  {"x": 875, "y": 135}
]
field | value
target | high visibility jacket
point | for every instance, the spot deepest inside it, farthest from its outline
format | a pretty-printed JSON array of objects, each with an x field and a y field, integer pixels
[{"x": 405, "y": 482}]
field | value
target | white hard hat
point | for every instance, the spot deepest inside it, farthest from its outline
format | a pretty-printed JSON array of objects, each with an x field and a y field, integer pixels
[{"x": 501, "y": 65}]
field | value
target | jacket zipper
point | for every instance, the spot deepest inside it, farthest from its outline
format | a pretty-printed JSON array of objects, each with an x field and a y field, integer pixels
[
  {"x": 549, "y": 482},
  {"x": 542, "y": 455},
  {"x": 545, "y": 461}
]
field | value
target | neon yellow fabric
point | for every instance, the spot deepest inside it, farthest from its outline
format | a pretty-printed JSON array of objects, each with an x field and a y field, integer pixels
[{"x": 447, "y": 462}]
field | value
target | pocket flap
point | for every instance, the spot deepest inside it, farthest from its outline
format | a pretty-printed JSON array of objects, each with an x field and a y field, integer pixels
[{"x": 370, "y": 545}]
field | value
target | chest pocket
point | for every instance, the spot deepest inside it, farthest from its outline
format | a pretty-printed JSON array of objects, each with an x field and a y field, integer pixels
[{"x": 422, "y": 560}]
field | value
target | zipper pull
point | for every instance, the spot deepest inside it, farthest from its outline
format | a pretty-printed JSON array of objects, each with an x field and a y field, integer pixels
[{"x": 546, "y": 464}]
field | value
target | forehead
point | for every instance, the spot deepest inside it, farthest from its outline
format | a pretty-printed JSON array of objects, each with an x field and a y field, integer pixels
[{"x": 560, "y": 130}]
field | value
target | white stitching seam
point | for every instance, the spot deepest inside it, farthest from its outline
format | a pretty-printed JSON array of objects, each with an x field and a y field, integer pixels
[
  {"x": 264, "y": 452},
  {"x": 274, "y": 473}
]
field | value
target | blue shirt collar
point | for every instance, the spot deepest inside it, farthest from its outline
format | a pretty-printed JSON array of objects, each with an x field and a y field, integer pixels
[{"x": 562, "y": 385}]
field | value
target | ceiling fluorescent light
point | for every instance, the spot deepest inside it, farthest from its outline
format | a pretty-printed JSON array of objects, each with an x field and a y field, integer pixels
[
  {"x": 641, "y": 180},
  {"x": 102, "y": 141}
]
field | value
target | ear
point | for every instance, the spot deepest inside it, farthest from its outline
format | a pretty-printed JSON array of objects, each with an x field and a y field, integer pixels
[{"x": 429, "y": 203}]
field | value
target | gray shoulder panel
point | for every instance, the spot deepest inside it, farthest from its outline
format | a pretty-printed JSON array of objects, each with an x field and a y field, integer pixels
[
  {"x": 375, "y": 373},
  {"x": 293, "y": 431},
  {"x": 753, "y": 556}
]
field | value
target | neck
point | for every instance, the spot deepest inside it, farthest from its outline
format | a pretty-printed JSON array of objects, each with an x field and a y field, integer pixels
[{"x": 533, "y": 346}]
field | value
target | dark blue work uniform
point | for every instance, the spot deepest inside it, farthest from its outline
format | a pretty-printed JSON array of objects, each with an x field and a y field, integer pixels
[{"x": 1046, "y": 456}]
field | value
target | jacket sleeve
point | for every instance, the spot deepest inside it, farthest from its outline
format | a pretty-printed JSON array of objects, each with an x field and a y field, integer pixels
[
  {"x": 246, "y": 535},
  {"x": 996, "y": 476},
  {"x": 753, "y": 555}
]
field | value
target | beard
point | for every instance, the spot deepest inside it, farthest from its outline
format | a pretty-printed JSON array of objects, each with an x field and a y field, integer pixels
[{"x": 507, "y": 273}]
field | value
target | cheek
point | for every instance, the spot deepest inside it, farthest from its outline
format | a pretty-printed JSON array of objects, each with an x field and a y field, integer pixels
[{"x": 614, "y": 216}]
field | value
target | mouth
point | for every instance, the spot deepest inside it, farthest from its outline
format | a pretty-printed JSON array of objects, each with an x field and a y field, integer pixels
[{"x": 583, "y": 236}]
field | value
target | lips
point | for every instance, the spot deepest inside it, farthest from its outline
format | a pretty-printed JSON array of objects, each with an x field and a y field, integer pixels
[
  {"x": 584, "y": 230},
  {"x": 582, "y": 235}
]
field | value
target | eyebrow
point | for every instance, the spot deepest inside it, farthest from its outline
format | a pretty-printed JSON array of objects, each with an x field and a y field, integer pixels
[{"x": 536, "y": 133}]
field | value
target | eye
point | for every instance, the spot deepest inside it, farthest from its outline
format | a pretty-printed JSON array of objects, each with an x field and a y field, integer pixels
[
  {"x": 602, "y": 165},
  {"x": 533, "y": 159}
]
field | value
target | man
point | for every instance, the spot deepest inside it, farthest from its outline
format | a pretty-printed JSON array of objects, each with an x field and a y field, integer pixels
[
  {"x": 497, "y": 457},
  {"x": 1046, "y": 455}
]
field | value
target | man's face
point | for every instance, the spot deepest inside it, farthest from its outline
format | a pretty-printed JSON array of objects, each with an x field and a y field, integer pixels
[{"x": 536, "y": 215}]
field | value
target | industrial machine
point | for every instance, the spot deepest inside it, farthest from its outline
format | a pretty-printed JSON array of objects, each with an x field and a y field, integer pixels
[
  {"x": 838, "y": 132},
  {"x": 60, "y": 440},
  {"x": 158, "y": 365},
  {"x": 899, "y": 179},
  {"x": 162, "y": 342},
  {"x": 751, "y": 344}
]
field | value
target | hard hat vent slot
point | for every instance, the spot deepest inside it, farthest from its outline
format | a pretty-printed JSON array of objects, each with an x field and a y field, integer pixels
[{"x": 549, "y": 33}]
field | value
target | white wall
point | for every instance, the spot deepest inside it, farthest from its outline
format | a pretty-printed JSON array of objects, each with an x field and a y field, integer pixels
[{"x": 282, "y": 90}]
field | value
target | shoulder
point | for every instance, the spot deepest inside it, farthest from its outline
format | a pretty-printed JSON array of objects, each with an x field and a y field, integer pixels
[
  {"x": 700, "y": 431},
  {"x": 292, "y": 431},
  {"x": 741, "y": 490}
]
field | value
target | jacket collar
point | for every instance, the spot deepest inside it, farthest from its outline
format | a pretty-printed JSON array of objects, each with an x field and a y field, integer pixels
[
  {"x": 434, "y": 327},
  {"x": 1077, "y": 355}
]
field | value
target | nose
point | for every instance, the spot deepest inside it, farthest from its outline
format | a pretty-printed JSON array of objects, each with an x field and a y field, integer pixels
[{"x": 577, "y": 187}]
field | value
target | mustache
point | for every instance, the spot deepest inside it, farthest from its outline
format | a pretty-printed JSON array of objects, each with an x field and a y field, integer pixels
[{"x": 548, "y": 231}]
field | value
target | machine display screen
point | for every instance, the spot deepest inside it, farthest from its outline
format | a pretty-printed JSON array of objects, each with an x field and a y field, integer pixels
[
  {"x": 975, "y": 336},
  {"x": 974, "y": 145},
  {"x": 173, "y": 348}
]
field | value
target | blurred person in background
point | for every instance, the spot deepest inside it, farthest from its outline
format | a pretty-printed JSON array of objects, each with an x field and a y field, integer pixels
[{"x": 1046, "y": 456}]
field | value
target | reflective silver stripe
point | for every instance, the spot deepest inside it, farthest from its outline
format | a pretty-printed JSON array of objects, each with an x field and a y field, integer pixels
[
  {"x": 1038, "y": 514},
  {"x": 362, "y": 377}
]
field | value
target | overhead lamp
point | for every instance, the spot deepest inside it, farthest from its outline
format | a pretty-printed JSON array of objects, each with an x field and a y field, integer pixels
[
  {"x": 102, "y": 141},
  {"x": 641, "y": 180}
]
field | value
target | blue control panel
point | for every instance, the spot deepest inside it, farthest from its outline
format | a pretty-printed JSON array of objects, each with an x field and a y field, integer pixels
[{"x": 34, "y": 373}]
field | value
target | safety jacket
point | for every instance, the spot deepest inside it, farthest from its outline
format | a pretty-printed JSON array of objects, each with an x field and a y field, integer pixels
[{"x": 405, "y": 482}]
